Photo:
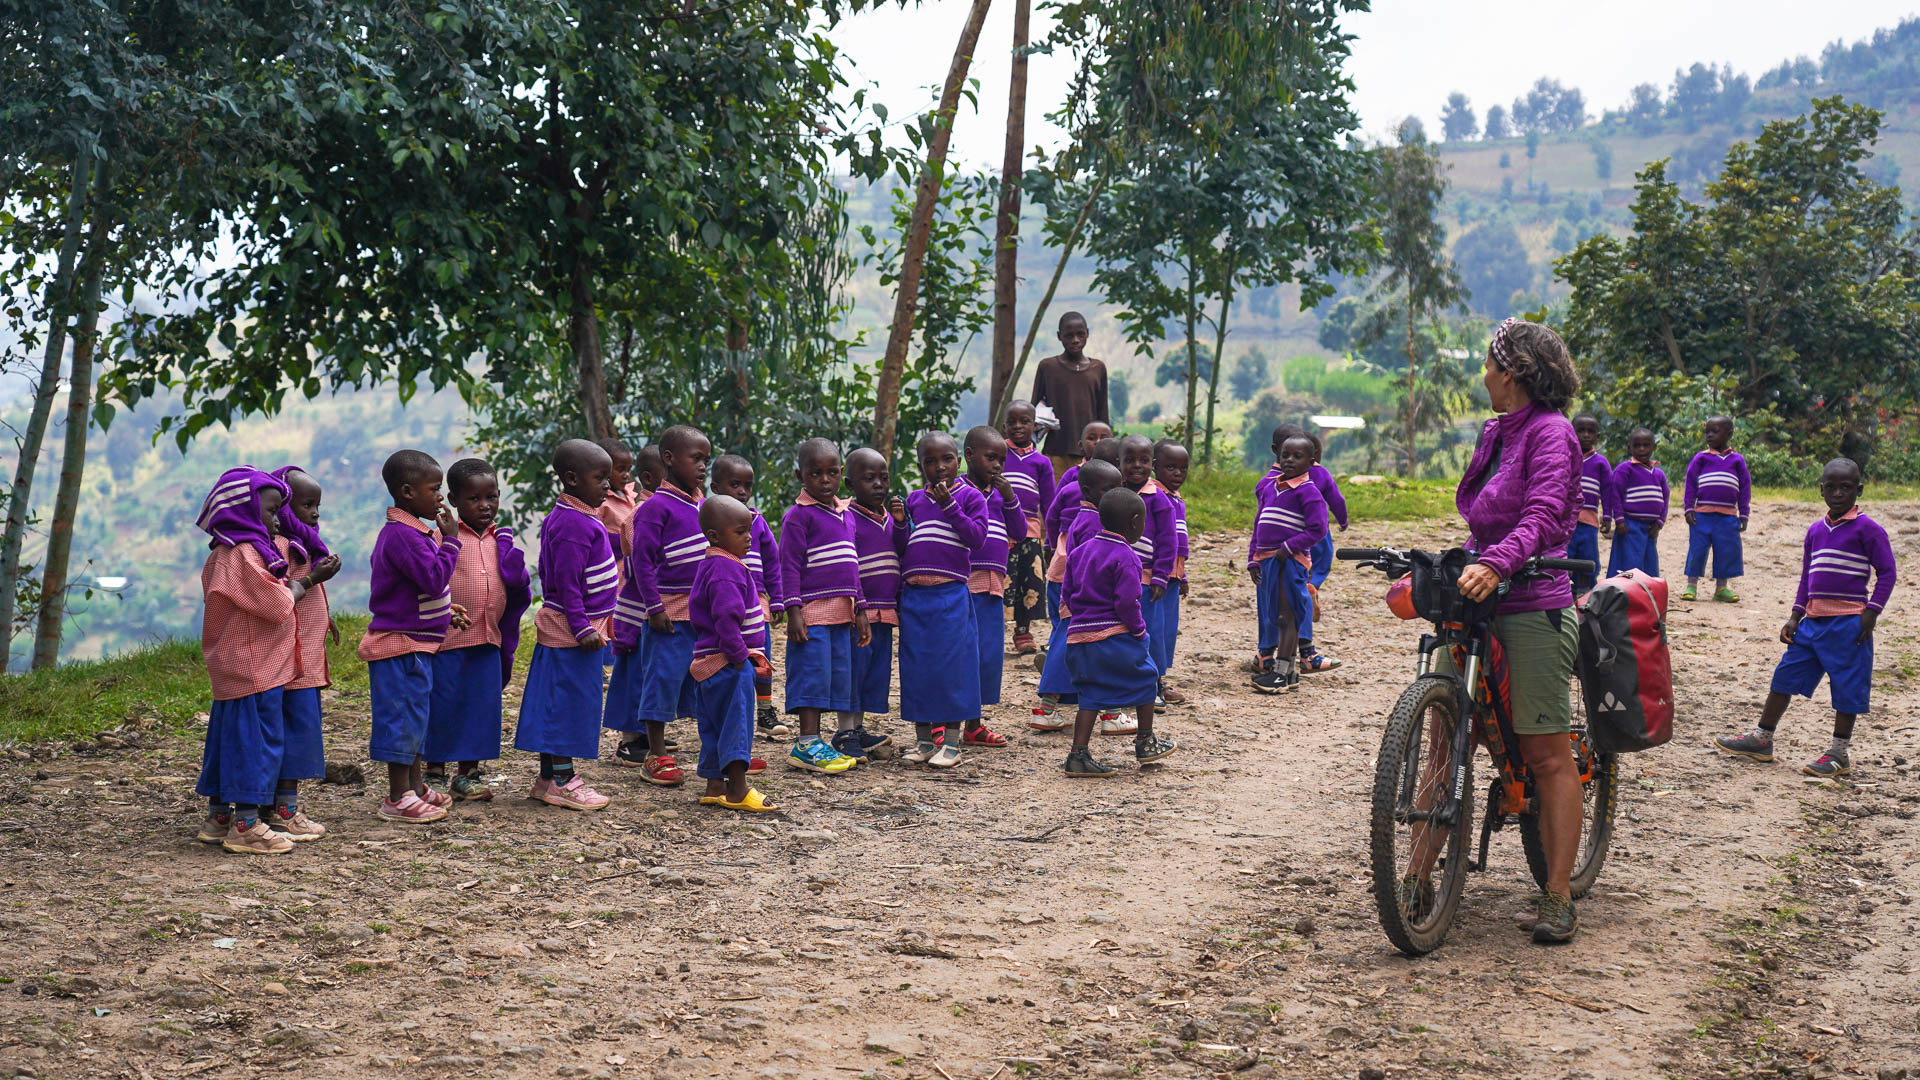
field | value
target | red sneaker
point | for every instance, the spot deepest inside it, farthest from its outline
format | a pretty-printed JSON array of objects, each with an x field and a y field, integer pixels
[
  {"x": 755, "y": 765},
  {"x": 1023, "y": 644},
  {"x": 663, "y": 772}
]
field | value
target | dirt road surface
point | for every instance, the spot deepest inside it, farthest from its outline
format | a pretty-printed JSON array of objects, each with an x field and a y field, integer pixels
[{"x": 1208, "y": 917}]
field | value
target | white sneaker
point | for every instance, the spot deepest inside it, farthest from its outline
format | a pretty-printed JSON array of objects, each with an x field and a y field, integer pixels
[
  {"x": 945, "y": 758},
  {"x": 1117, "y": 724}
]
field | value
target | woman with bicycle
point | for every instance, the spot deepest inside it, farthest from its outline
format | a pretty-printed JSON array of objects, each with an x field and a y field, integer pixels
[{"x": 1520, "y": 497}]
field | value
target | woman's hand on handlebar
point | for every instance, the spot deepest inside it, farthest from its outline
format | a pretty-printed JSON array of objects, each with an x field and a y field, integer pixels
[{"x": 1478, "y": 580}]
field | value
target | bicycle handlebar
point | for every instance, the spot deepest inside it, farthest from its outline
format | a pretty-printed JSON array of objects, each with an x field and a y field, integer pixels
[
  {"x": 1357, "y": 554},
  {"x": 1571, "y": 566},
  {"x": 1534, "y": 566}
]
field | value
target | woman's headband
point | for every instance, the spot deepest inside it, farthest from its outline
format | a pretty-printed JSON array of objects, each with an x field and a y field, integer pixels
[{"x": 1502, "y": 348}]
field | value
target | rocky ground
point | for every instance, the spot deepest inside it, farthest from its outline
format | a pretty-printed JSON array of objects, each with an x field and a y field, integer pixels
[{"x": 1206, "y": 917}]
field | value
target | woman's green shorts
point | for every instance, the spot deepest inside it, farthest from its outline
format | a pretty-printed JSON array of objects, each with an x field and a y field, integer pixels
[{"x": 1540, "y": 647}]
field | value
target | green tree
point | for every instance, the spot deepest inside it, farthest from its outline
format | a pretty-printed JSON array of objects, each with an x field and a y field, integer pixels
[
  {"x": 1250, "y": 374},
  {"x": 1493, "y": 266},
  {"x": 1457, "y": 121},
  {"x": 1419, "y": 282},
  {"x": 1119, "y": 393},
  {"x": 1797, "y": 276},
  {"x": 1602, "y": 160}
]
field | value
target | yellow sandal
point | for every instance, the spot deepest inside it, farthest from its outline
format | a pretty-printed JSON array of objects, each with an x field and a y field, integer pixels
[{"x": 754, "y": 803}]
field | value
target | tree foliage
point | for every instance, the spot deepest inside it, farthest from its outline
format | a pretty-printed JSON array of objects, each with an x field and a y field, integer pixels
[
  {"x": 1457, "y": 120},
  {"x": 1797, "y": 277}
]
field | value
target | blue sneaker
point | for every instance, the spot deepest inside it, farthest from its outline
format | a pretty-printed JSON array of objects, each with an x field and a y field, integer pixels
[
  {"x": 847, "y": 744},
  {"x": 814, "y": 755},
  {"x": 869, "y": 742}
]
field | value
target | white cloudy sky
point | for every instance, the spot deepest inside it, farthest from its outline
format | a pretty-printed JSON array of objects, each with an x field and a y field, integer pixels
[{"x": 1408, "y": 55}]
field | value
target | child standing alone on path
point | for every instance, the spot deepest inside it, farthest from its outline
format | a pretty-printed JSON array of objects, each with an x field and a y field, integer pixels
[
  {"x": 1320, "y": 559},
  {"x": 939, "y": 650},
  {"x": 1599, "y": 502},
  {"x": 1644, "y": 498},
  {"x": 1030, "y": 473},
  {"x": 303, "y": 750},
  {"x": 560, "y": 707},
  {"x": 248, "y": 639},
  {"x": 471, "y": 668},
  {"x": 725, "y": 611},
  {"x": 1107, "y": 641},
  {"x": 1291, "y": 518},
  {"x": 1718, "y": 492},
  {"x": 826, "y": 614},
  {"x": 1830, "y": 632},
  {"x": 412, "y": 606}
]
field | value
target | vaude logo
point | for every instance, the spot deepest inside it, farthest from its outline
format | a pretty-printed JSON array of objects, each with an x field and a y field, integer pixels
[{"x": 1612, "y": 704}]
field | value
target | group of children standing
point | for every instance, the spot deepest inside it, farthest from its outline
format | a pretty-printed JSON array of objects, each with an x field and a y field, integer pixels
[{"x": 654, "y": 564}]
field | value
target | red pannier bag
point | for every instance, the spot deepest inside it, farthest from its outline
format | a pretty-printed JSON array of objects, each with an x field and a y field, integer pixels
[{"x": 1625, "y": 673}]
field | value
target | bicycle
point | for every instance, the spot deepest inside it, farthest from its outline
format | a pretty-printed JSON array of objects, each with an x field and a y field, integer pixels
[{"x": 1429, "y": 804}]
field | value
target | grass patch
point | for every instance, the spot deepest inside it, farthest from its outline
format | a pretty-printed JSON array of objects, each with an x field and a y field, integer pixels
[
  {"x": 1869, "y": 495},
  {"x": 164, "y": 684},
  {"x": 1222, "y": 499}
]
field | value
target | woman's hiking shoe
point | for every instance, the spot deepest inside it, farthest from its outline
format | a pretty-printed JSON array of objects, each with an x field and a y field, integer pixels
[
  {"x": 1151, "y": 748},
  {"x": 1827, "y": 765},
  {"x": 1553, "y": 919},
  {"x": 1749, "y": 745},
  {"x": 1080, "y": 763}
]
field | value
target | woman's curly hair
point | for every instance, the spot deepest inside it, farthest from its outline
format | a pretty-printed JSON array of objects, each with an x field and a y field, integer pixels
[{"x": 1538, "y": 360}]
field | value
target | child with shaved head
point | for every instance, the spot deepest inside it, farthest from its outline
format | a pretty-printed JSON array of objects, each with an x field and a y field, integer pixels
[
  {"x": 939, "y": 652},
  {"x": 1108, "y": 647},
  {"x": 826, "y": 611},
  {"x": 986, "y": 455},
  {"x": 1030, "y": 473},
  {"x": 728, "y": 623},
  {"x": 732, "y": 476},
  {"x": 879, "y": 538}
]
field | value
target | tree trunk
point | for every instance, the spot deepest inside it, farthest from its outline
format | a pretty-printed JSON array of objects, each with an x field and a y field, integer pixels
[
  {"x": 1006, "y": 236},
  {"x": 588, "y": 360},
  {"x": 59, "y": 304},
  {"x": 73, "y": 453},
  {"x": 1413, "y": 397},
  {"x": 913, "y": 254},
  {"x": 1046, "y": 299},
  {"x": 1219, "y": 360},
  {"x": 1193, "y": 353}
]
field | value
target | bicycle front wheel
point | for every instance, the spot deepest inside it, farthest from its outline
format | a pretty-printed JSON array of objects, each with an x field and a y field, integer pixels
[{"x": 1419, "y": 863}]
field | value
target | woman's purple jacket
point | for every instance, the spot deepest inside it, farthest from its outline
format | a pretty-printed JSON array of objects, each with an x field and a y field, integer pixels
[{"x": 1529, "y": 503}]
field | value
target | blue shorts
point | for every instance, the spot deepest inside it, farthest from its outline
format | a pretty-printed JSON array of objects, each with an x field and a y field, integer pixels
[
  {"x": 1633, "y": 549},
  {"x": 1720, "y": 534},
  {"x": 820, "y": 670},
  {"x": 1825, "y": 646},
  {"x": 939, "y": 661},
  {"x": 1114, "y": 673},
  {"x": 464, "y": 722},
  {"x": 1584, "y": 544},
  {"x": 241, "y": 761},
  {"x": 1283, "y": 581},
  {"x": 873, "y": 671},
  {"x": 303, "y": 753},
  {"x": 560, "y": 707},
  {"x": 663, "y": 683},
  {"x": 990, "y": 630},
  {"x": 723, "y": 705},
  {"x": 1163, "y": 627},
  {"x": 402, "y": 696},
  {"x": 1320, "y": 563}
]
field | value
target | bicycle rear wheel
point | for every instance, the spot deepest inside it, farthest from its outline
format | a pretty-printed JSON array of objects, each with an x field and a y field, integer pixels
[
  {"x": 1599, "y": 799},
  {"x": 1419, "y": 865}
]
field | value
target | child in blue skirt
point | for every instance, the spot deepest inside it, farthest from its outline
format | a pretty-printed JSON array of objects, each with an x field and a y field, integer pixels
[
  {"x": 560, "y": 710},
  {"x": 1108, "y": 652},
  {"x": 728, "y": 622},
  {"x": 985, "y": 450},
  {"x": 303, "y": 749},
  {"x": 492, "y": 590},
  {"x": 879, "y": 536},
  {"x": 1097, "y": 477},
  {"x": 939, "y": 648},
  {"x": 826, "y": 613}
]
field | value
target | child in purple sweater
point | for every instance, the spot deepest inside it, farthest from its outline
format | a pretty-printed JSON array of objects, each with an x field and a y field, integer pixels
[
  {"x": 412, "y": 608},
  {"x": 879, "y": 538},
  {"x": 939, "y": 651},
  {"x": 732, "y": 476},
  {"x": 1030, "y": 473},
  {"x": 985, "y": 452},
  {"x": 1170, "y": 464},
  {"x": 728, "y": 622},
  {"x": 1291, "y": 518},
  {"x": 1097, "y": 477},
  {"x": 579, "y": 582},
  {"x": 1830, "y": 632},
  {"x": 1716, "y": 500},
  {"x": 1108, "y": 651},
  {"x": 1158, "y": 544},
  {"x": 1644, "y": 496},
  {"x": 826, "y": 613},
  {"x": 1599, "y": 502}
]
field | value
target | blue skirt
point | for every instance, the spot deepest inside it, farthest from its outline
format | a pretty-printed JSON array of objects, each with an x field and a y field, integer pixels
[
  {"x": 1163, "y": 627},
  {"x": 873, "y": 671},
  {"x": 241, "y": 761},
  {"x": 820, "y": 670},
  {"x": 1114, "y": 673},
  {"x": 303, "y": 753},
  {"x": 1054, "y": 680},
  {"x": 401, "y": 689},
  {"x": 990, "y": 629},
  {"x": 464, "y": 723},
  {"x": 1584, "y": 544},
  {"x": 939, "y": 661},
  {"x": 622, "y": 711},
  {"x": 663, "y": 686},
  {"x": 1633, "y": 549},
  {"x": 723, "y": 711},
  {"x": 560, "y": 710}
]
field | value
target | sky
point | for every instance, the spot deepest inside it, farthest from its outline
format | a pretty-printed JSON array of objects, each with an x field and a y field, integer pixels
[{"x": 1407, "y": 57}]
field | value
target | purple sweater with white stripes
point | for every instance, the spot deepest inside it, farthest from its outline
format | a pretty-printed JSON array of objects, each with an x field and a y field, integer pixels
[
  {"x": 1718, "y": 480},
  {"x": 819, "y": 558},
  {"x": 411, "y": 579},
  {"x": 1006, "y": 525},
  {"x": 1836, "y": 558},
  {"x": 1642, "y": 491},
  {"x": 878, "y": 544},
  {"x": 1160, "y": 542},
  {"x": 667, "y": 548},
  {"x": 1330, "y": 491},
  {"x": 1597, "y": 492},
  {"x": 1030, "y": 474},
  {"x": 724, "y": 607},
  {"x": 1290, "y": 520},
  {"x": 941, "y": 539},
  {"x": 1102, "y": 586},
  {"x": 763, "y": 562},
  {"x": 578, "y": 575}
]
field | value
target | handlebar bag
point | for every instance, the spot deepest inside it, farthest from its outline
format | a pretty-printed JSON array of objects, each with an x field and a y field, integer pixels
[
  {"x": 1436, "y": 589},
  {"x": 1625, "y": 672}
]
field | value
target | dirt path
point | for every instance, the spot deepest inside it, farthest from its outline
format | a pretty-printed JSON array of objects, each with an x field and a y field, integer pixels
[{"x": 1203, "y": 918}]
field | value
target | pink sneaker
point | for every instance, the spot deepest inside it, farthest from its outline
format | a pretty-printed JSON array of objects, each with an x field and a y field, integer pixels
[
  {"x": 438, "y": 798},
  {"x": 573, "y": 795},
  {"x": 411, "y": 810},
  {"x": 296, "y": 826}
]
